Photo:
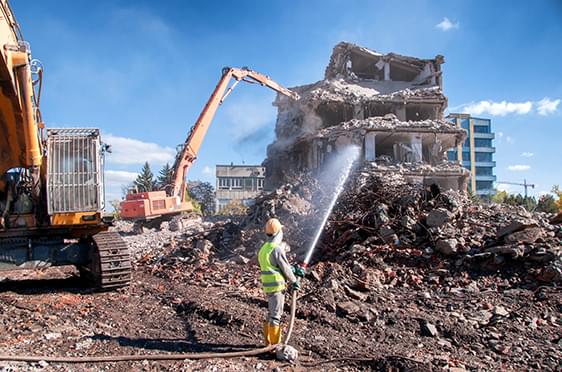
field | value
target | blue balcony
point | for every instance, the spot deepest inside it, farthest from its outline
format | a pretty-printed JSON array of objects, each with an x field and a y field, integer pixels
[
  {"x": 485, "y": 178},
  {"x": 479, "y": 149},
  {"x": 479, "y": 164},
  {"x": 485, "y": 149},
  {"x": 486, "y": 192},
  {"x": 485, "y": 135}
]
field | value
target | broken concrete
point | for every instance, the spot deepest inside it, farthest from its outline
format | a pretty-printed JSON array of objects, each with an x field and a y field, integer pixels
[{"x": 438, "y": 217}]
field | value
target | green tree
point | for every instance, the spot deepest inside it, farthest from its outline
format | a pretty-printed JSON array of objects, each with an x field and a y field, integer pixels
[
  {"x": 116, "y": 205},
  {"x": 473, "y": 196},
  {"x": 556, "y": 190},
  {"x": 145, "y": 179},
  {"x": 547, "y": 204},
  {"x": 529, "y": 202},
  {"x": 234, "y": 208},
  {"x": 499, "y": 196},
  {"x": 165, "y": 178},
  {"x": 204, "y": 194}
]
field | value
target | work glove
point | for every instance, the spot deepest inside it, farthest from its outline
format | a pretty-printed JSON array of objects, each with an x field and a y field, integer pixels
[
  {"x": 298, "y": 271},
  {"x": 295, "y": 286}
]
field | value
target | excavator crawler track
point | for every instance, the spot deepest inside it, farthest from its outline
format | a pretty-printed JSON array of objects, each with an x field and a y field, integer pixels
[{"x": 111, "y": 262}]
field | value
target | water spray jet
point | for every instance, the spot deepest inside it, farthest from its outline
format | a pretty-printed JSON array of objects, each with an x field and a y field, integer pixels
[{"x": 344, "y": 162}]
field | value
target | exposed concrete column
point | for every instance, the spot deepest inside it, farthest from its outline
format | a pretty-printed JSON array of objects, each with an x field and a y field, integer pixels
[
  {"x": 386, "y": 71},
  {"x": 400, "y": 113},
  {"x": 437, "y": 113},
  {"x": 416, "y": 146},
  {"x": 472, "y": 157},
  {"x": 459, "y": 146},
  {"x": 370, "y": 146},
  {"x": 358, "y": 112},
  {"x": 315, "y": 162}
]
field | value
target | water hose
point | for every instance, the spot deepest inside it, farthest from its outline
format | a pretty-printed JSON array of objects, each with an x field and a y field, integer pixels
[
  {"x": 125, "y": 358},
  {"x": 292, "y": 318}
]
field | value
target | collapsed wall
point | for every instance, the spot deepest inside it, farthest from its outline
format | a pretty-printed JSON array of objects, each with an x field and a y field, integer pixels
[{"x": 390, "y": 105}]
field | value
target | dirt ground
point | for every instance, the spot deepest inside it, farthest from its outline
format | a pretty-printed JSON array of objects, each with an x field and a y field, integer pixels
[{"x": 53, "y": 313}]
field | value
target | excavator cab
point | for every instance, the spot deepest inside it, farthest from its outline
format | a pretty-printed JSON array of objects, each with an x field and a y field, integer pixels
[{"x": 74, "y": 174}]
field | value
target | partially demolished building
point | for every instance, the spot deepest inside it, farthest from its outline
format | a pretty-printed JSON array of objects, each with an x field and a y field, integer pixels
[{"x": 390, "y": 105}]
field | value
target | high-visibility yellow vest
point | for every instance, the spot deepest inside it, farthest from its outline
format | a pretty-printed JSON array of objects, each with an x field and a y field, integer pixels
[{"x": 271, "y": 278}]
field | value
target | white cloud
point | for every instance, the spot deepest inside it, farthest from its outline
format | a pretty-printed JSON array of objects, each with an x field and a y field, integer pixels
[
  {"x": 546, "y": 106},
  {"x": 207, "y": 170},
  {"x": 509, "y": 139},
  {"x": 498, "y": 108},
  {"x": 446, "y": 24},
  {"x": 132, "y": 151},
  {"x": 500, "y": 134},
  {"x": 119, "y": 178},
  {"x": 527, "y": 154},
  {"x": 519, "y": 167}
]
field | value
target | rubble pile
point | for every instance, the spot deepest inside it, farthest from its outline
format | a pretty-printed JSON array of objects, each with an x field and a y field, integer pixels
[
  {"x": 200, "y": 251},
  {"x": 386, "y": 210},
  {"x": 152, "y": 242},
  {"x": 383, "y": 211}
]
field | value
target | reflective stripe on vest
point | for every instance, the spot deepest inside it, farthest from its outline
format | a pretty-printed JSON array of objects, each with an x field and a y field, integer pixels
[{"x": 271, "y": 278}]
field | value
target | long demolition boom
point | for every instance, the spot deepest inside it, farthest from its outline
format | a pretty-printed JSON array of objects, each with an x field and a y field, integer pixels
[{"x": 190, "y": 149}]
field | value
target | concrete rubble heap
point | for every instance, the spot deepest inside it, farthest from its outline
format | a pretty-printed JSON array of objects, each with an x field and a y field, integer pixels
[
  {"x": 390, "y": 105},
  {"x": 388, "y": 210}
]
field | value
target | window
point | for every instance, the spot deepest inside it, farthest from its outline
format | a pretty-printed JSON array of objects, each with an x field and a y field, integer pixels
[
  {"x": 224, "y": 183},
  {"x": 260, "y": 183},
  {"x": 236, "y": 183},
  {"x": 483, "y": 156},
  {"x": 248, "y": 183},
  {"x": 484, "y": 185},
  {"x": 484, "y": 171},
  {"x": 466, "y": 156},
  {"x": 481, "y": 129},
  {"x": 482, "y": 142}
]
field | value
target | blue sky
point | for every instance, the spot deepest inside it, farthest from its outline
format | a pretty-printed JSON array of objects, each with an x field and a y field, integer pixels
[{"x": 142, "y": 70}]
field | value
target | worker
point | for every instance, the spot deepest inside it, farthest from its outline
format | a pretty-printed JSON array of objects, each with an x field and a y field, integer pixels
[{"x": 275, "y": 272}]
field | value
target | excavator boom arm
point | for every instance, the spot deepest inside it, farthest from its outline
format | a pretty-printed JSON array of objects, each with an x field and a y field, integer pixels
[{"x": 195, "y": 138}]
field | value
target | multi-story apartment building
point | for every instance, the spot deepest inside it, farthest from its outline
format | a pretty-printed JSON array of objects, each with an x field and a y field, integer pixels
[
  {"x": 238, "y": 183},
  {"x": 476, "y": 153}
]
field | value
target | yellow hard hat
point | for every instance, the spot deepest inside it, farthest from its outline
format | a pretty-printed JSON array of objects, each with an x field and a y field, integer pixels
[{"x": 273, "y": 226}]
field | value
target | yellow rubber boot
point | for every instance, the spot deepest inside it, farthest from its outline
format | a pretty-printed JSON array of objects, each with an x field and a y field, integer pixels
[
  {"x": 274, "y": 334},
  {"x": 266, "y": 333}
]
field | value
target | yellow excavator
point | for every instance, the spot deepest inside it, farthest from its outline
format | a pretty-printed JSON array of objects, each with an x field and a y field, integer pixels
[{"x": 51, "y": 180}]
